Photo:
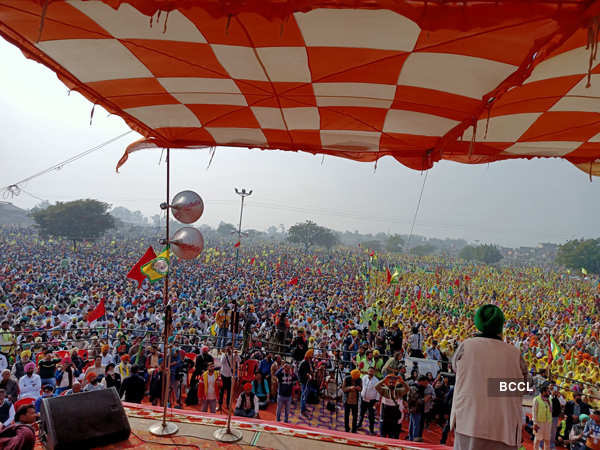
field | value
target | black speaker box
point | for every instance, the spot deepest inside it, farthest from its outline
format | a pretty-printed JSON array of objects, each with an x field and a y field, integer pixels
[{"x": 84, "y": 420}]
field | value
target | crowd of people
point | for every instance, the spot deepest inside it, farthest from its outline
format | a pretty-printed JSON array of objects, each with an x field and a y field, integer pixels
[{"x": 371, "y": 333}]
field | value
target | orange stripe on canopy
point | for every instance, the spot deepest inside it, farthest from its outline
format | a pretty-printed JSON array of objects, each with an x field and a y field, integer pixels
[{"x": 472, "y": 82}]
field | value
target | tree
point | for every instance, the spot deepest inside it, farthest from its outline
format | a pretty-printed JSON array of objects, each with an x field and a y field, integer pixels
[
  {"x": 226, "y": 229},
  {"x": 490, "y": 254},
  {"x": 255, "y": 234},
  {"x": 580, "y": 254},
  {"x": 486, "y": 253},
  {"x": 306, "y": 233},
  {"x": 327, "y": 238},
  {"x": 41, "y": 205},
  {"x": 394, "y": 243},
  {"x": 309, "y": 234},
  {"x": 77, "y": 220},
  {"x": 127, "y": 216},
  {"x": 372, "y": 245},
  {"x": 468, "y": 253},
  {"x": 422, "y": 250}
]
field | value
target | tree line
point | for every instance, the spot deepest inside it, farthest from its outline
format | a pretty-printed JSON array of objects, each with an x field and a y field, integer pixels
[{"x": 89, "y": 219}]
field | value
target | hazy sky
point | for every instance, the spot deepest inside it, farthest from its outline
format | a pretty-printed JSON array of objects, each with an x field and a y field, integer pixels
[{"x": 509, "y": 203}]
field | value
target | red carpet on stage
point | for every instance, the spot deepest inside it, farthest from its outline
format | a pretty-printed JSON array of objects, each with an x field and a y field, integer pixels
[{"x": 322, "y": 419}]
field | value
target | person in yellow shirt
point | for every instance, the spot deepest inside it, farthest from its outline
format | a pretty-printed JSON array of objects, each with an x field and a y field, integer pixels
[{"x": 542, "y": 418}]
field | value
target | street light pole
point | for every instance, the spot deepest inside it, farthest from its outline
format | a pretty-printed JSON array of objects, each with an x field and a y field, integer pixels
[{"x": 243, "y": 194}]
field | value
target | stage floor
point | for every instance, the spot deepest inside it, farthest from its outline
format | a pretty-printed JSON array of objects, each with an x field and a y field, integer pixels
[{"x": 196, "y": 430}]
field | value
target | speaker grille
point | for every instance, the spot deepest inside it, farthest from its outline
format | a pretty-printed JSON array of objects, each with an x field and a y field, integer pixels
[{"x": 84, "y": 420}]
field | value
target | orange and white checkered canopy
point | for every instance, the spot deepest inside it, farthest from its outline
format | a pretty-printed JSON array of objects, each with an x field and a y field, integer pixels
[{"x": 468, "y": 81}]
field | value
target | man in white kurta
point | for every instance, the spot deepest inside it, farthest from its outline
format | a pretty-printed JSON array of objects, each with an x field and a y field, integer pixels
[
  {"x": 481, "y": 421},
  {"x": 30, "y": 383}
]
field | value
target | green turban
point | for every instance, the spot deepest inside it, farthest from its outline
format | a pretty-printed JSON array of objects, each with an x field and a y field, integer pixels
[{"x": 489, "y": 319}]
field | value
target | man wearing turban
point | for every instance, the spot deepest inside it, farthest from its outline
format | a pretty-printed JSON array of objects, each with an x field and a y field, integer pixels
[
  {"x": 18, "y": 369},
  {"x": 480, "y": 420},
  {"x": 306, "y": 372},
  {"x": 247, "y": 403},
  {"x": 30, "y": 383},
  {"x": 351, "y": 387}
]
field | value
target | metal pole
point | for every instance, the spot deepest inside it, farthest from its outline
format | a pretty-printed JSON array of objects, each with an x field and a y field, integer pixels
[
  {"x": 227, "y": 434},
  {"x": 237, "y": 249},
  {"x": 234, "y": 377},
  {"x": 243, "y": 193},
  {"x": 164, "y": 428}
]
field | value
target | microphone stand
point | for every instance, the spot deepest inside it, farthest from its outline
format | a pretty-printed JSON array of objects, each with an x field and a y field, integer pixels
[{"x": 228, "y": 434}]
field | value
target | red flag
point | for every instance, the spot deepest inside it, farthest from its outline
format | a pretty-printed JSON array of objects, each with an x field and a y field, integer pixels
[
  {"x": 397, "y": 293},
  {"x": 549, "y": 350},
  {"x": 237, "y": 244},
  {"x": 307, "y": 270},
  {"x": 413, "y": 306},
  {"x": 135, "y": 272},
  {"x": 372, "y": 253},
  {"x": 389, "y": 275},
  {"x": 252, "y": 261},
  {"x": 419, "y": 294},
  {"x": 457, "y": 282},
  {"x": 98, "y": 312},
  {"x": 293, "y": 281},
  {"x": 467, "y": 278},
  {"x": 319, "y": 270}
]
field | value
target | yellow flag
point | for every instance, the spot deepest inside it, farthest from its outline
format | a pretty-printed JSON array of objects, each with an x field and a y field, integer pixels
[{"x": 158, "y": 267}]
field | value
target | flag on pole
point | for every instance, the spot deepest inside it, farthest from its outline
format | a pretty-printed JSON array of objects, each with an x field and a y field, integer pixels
[
  {"x": 158, "y": 267},
  {"x": 97, "y": 312},
  {"x": 237, "y": 244},
  {"x": 554, "y": 350},
  {"x": 584, "y": 271},
  {"x": 252, "y": 261},
  {"x": 388, "y": 275},
  {"x": 135, "y": 273}
]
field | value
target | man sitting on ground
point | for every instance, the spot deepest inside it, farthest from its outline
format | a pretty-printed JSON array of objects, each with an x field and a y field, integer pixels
[{"x": 247, "y": 403}]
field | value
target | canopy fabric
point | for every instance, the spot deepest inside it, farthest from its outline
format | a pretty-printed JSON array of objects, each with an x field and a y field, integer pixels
[{"x": 471, "y": 81}]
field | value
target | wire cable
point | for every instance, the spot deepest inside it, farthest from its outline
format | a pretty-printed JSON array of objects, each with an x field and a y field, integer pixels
[
  {"x": 15, "y": 188},
  {"x": 412, "y": 227},
  {"x": 168, "y": 444}
]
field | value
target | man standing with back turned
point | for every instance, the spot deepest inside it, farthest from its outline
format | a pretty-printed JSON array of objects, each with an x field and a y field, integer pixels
[{"x": 482, "y": 421}]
